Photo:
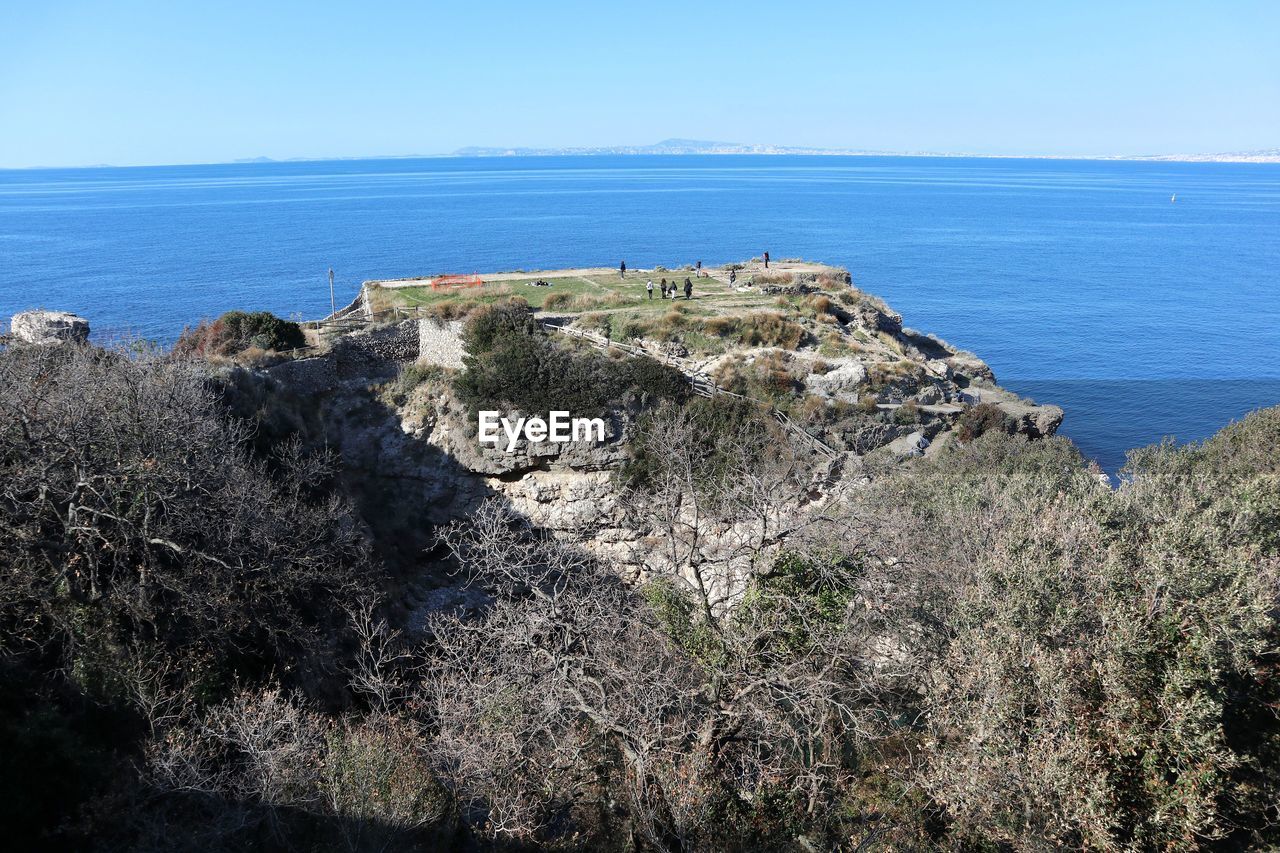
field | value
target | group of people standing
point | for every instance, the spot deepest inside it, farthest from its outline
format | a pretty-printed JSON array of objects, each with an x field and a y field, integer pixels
[{"x": 673, "y": 289}]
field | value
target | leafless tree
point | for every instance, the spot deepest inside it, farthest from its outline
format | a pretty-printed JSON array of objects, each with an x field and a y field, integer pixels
[
  {"x": 381, "y": 660},
  {"x": 715, "y": 509},
  {"x": 565, "y": 669},
  {"x": 131, "y": 512},
  {"x": 698, "y": 700}
]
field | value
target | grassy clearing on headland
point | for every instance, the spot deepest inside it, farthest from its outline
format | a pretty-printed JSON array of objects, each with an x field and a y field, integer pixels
[
  {"x": 717, "y": 315},
  {"x": 592, "y": 289}
]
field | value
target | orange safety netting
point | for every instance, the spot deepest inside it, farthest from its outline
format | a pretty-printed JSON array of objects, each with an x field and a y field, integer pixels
[{"x": 456, "y": 282}]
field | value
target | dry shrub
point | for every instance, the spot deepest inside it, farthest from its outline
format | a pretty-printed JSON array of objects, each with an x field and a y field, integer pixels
[
  {"x": 765, "y": 328},
  {"x": 760, "y": 328},
  {"x": 834, "y": 279},
  {"x": 557, "y": 300},
  {"x": 774, "y": 278},
  {"x": 889, "y": 372},
  {"x": 595, "y": 321},
  {"x": 811, "y": 409},
  {"x": 461, "y": 309},
  {"x": 452, "y": 310},
  {"x": 585, "y": 301},
  {"x": 982, "y": 418},
  {"x": 818, "y": 304},
  {"x": 836, "y": 345},
  {"x": 255, "y": 357},
  {"x": 769, "y": 377},
  {"x": 908, "y": 413},
  {"x": 723, "y": 327}
]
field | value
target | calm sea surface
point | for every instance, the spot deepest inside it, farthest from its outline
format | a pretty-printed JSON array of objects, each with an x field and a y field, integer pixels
[{"x": 1080, "y": 282}]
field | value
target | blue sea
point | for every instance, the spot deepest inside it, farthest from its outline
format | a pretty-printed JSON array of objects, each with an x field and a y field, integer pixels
[{"x": 1081, "y": 282}]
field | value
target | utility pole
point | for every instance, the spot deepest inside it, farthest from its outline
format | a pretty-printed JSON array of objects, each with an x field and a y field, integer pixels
[{"x": 333, "y": 309}]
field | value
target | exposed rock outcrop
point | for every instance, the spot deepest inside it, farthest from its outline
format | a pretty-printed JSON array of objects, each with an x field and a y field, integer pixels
[
  {"x": 49, "y": 327},
  {"x": 843, "y": 381}
]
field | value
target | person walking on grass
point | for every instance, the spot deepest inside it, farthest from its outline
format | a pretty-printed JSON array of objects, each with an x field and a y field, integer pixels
[
  {"x": 622, "y": 269},
  {"x": 766, "y": 260},
  {"x": 688, "y": 289},
  {"x": 698, "y": 270},
  {"x": 733, "y": 277},
  {"x": 649, "y": 287},
  {"x": 664, "y": 288}
]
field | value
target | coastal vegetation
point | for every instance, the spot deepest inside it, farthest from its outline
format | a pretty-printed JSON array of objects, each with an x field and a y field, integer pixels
[
  {"x": 237, "y": 331},
  {"x": 286, "y": 604},
  {"x": 512, "y": 362},
  {"x": 986, "y": 649}
]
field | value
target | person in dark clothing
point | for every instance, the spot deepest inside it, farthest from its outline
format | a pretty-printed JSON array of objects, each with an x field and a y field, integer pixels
[
  {"x": 622, "y": 269},
  {"x": 733, "y": 277},
  {"x": 699, "y": 270},
  {"x": 688, "y": 289},
  {"x": 664, "y": 288},
  {"x": 766, "y": 260}
]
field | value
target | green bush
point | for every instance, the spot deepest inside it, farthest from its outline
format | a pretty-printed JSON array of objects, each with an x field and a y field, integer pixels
[
  {"x": 512, "y": 363},
  {"x": 980, "y": 419},
  {"x": 236, "y": 331},
  {"x": 656, "y": 381},
  {"x": 1106, "y": 678}
]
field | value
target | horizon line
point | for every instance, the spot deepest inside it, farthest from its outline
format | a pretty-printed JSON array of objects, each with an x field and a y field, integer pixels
[{"x": 1255, "y": 157}]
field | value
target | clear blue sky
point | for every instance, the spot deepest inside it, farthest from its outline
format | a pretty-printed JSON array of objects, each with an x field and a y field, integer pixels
[{"x": 143, "y": 81}]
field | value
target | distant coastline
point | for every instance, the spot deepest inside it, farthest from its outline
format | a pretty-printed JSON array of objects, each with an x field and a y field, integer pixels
[
  {"x": 694, "y": 148},
  {"x": 688, "y": 147}
]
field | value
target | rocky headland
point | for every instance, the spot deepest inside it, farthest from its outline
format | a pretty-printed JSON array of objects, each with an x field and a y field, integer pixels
[
  {"x": 847, "y": 382},
  {"x": 837, "y": 369}
]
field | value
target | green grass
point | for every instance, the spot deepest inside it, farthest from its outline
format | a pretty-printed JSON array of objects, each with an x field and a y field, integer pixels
[{"x": 706, "y": 292}]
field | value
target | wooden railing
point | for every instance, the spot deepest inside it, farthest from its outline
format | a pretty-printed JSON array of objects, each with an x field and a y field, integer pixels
[{"x": 359, "y": 319}]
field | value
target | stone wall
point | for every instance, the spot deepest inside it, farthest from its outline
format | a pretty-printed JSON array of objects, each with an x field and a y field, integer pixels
[
  {"x": 307, "y": 376},
  {"x": 365, "y": 356},
  {"x": 388, "y": 343},
  {"x": 440, "y": 342}
]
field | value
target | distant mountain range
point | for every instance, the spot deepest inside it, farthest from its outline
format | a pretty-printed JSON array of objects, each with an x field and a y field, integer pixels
[
  {"x": 666, "y": 146},
  {"x": 701, "y": 146}
]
